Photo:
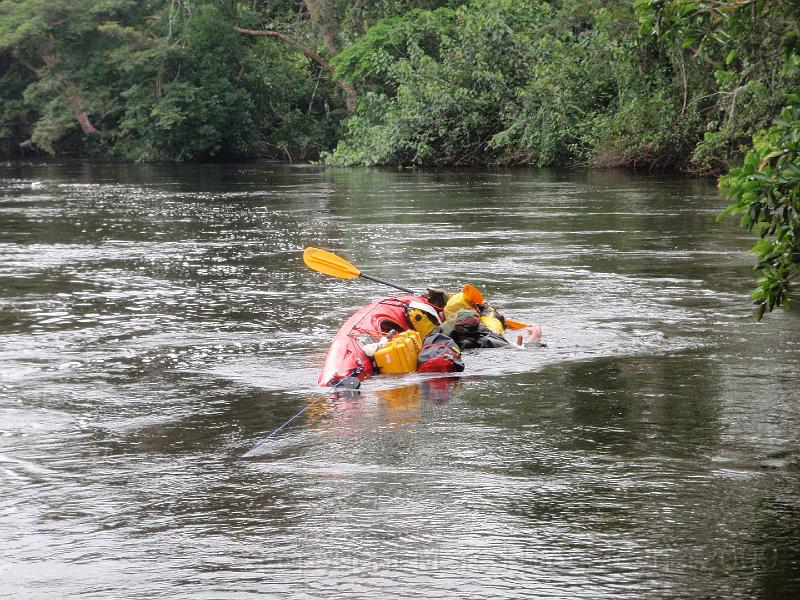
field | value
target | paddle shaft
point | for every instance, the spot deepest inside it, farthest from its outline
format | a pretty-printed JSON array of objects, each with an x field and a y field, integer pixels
[{"x": 394, "y": 285}]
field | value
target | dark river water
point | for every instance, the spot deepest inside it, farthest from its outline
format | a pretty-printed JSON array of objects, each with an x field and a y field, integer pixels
[{"x": 157, "y": 321}]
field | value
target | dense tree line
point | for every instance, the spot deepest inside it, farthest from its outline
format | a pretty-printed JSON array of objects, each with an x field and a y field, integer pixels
[
  {"x": 686, "y": 84},
  {"x": 165, "y": 79},
  {"x": 651, "y": 83}
]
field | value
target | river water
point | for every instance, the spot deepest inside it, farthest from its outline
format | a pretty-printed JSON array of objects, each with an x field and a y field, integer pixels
[{"x": 157, "y": 321}]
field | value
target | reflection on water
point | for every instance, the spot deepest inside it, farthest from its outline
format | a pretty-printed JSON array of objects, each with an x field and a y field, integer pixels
[
  {"x": 396, "y": 405},
  {"x": 157, "y": 321},
  {"x": 387, "y": 408}
]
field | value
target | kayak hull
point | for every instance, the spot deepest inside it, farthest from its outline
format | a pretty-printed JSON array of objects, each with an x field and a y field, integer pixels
[{"x": 345, "y": 356}]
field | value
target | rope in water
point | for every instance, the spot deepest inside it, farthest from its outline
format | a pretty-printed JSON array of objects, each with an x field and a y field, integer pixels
[{"x": 353, "y": 373}]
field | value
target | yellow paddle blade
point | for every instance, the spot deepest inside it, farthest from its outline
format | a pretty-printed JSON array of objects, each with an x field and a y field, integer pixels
[
  {"x": 330, "y": 264},
  {"x": 515, "y": 324}
]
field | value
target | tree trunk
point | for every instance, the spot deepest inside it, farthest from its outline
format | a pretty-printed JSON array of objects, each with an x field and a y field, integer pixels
[
  {"x": 74, "y": 99},
  {"x": 321, "y": 13},
  {"x": 350, "y": 96}
]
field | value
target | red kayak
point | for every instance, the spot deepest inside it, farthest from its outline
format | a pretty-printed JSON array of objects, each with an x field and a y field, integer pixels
[{"x": 346, "y": 357}]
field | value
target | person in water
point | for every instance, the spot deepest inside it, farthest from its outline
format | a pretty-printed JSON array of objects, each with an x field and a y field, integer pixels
[
  {"x": 474, "y": 323},
  {"x": 468, "y": 322}
]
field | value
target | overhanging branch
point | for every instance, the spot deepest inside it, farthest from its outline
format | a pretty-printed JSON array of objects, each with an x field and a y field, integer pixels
[
  {"x": 285, "y": 38},
  {"x": 351, "y": 98}
]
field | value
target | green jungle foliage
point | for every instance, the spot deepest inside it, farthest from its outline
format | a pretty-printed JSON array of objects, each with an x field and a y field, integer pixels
[
  {"x": 742, "y": 70},
  {"x": 512, "y": 82},
  {"x": 156, "y": 80},
  {"x": 587, "y": 82},
  {"x": 754, "y": 46},
  {"x": 686, "y": 84},
  {"x": 641, "y": 83},
  {"x": 766, "y": 192}
]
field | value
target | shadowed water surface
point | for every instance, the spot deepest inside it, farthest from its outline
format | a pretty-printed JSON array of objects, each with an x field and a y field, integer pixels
[{"x": 157, "y": 321}]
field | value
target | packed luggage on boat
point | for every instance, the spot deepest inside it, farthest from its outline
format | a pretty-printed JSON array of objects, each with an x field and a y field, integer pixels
[{"x": 413, "y": 332}]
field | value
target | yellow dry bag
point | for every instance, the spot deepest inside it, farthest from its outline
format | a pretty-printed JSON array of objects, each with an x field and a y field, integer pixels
[{"x": 399, "y": 355}]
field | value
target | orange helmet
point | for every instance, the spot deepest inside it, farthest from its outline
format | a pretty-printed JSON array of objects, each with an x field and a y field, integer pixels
[{"x": 472, "y": 294}]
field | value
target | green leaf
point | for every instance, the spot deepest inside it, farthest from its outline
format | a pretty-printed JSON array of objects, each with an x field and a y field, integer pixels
[{"x": 760, "y": 310}]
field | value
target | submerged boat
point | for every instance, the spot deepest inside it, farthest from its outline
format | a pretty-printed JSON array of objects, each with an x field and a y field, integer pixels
[
  {"x": 347, "y": 356},
  {"x": 402, "y": 334}
]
